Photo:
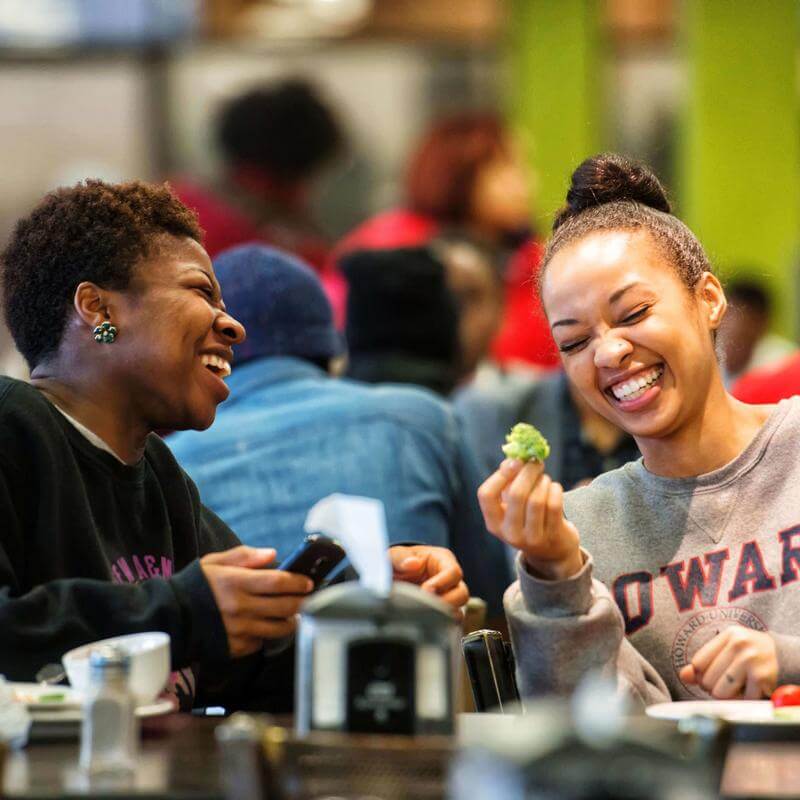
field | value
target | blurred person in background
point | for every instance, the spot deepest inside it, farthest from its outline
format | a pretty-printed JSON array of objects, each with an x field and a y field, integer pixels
[
  {"x": 477, "y": 286},
  {"x": 402, "y": 319},
  {"x": 769, "y": 384},
  {"x": 113, "y": 302},
  {"x": 424, "y": 315},
  {"x": 744, "y": 336},
  {"x": 291, "y": 434},
  {"x": 465, "y": 176},
  {"x": 274, "y": 140}
]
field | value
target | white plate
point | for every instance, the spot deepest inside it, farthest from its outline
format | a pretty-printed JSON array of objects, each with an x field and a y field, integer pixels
[
  {"x": 156, "y": 709},
  {"x": 69, "y": 710},
  {"x": 750, "y": 712},
  {"x": 29, "y": 693}
]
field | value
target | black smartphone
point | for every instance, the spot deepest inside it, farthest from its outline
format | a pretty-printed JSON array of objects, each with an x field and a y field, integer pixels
[
  {"x": 315, "y": 557},
  {"x": 490, "y": 667}
]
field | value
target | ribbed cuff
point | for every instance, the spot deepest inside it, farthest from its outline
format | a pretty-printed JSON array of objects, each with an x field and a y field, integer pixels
[
  {"x": 788, "y": 648},
  {"x": 568, "y": 598},
  {"x": 209, "y": 639}
]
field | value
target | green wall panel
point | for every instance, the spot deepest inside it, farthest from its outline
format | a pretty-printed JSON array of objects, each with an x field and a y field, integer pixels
[
  {"x": 739, "y": 162},
  {"x": 555, "y": 91}
]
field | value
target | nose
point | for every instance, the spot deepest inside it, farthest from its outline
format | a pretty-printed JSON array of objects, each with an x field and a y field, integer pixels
[
  {"x": 230, "y": 328},
  {"x": 612, "y": 351}
]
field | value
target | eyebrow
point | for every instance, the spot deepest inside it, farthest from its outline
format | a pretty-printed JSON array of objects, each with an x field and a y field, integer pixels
[
  {"x": 616, "y": 295},
  {"x": 212, "y": 280},
  {"x": 193, "y": 268},
  {"x": 564, "y": 322},
  {"x": 612, "y": 299}
]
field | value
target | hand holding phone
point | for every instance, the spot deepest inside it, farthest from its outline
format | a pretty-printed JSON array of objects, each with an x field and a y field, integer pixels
[{"x": 315, "y": 557}]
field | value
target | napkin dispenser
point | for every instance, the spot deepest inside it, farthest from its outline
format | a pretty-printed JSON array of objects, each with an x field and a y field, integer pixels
[{"x": 368, "y": 663}]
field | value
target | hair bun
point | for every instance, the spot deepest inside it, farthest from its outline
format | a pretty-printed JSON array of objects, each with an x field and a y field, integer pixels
[{"x": 608, "y": 178}]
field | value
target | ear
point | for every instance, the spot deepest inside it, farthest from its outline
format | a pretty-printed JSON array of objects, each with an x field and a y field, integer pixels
[
  {"x": 711, "y": 296},
  {"x": 91, "y": 304}
]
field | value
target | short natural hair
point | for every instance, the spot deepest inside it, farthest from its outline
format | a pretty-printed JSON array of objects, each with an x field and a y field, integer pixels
[
  {"x": 93, "y": 231},
  {"x": 610, "y": 192}
]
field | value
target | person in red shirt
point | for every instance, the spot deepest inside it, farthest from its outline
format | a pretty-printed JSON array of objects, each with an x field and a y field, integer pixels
[
  {"x": 769, "y": 384},
  {"x": 465, "y": 177}
]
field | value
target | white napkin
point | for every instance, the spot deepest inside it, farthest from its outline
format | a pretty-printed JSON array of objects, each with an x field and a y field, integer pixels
[
  {"x": 359, "y": 525},
  {"x": 15, "y": 720}
]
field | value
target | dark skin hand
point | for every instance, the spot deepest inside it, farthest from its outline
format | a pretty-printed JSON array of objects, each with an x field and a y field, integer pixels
[
  {"x": 255, "y": 603},
  {"x": 258, "y": 603},
  {"x": 434, "y": 569}
]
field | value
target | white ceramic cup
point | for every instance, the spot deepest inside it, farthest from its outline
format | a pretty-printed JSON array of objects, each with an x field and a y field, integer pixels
[{"x": 150, "y": 663}]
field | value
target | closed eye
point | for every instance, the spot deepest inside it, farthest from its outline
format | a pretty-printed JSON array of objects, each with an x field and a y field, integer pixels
[
  {"x": 635, "y": 317},
  {"x": 207, "y": 291},
  {"x": 572, "y": 346}
]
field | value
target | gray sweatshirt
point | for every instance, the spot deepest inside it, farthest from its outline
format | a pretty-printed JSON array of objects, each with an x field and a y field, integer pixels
[{"x": 670, "y": 562}]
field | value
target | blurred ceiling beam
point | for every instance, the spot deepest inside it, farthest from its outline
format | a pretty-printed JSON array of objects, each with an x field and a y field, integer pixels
[
  {"x": 462, "y": 20},
  {"x": 627, "y": 22},
  {"x": 475, "y": 20}
]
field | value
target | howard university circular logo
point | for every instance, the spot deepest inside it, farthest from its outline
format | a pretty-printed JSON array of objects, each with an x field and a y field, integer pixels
[{"x": 700, "y": 629}]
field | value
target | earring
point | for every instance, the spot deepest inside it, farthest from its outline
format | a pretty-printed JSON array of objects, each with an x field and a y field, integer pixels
[{"x": 105, "y": 333}]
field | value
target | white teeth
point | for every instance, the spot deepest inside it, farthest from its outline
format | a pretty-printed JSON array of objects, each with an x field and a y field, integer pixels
[
  {"x": 636, "y": 387},
  {"x": 219, "y": 363}
]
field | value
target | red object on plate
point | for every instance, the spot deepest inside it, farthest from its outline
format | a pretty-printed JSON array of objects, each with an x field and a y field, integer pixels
[{"x": 788, "y": 695}]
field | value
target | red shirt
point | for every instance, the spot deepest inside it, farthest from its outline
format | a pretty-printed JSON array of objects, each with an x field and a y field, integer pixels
[
  {"x": 225, "y": 225},
  {"x": 769, "y": 384},
  {"x": 524, "y": 334},
  {"x": 390, "y": 229}
]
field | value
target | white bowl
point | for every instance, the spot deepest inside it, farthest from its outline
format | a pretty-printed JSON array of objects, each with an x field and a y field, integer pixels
[{"x": 150, "y": 663}]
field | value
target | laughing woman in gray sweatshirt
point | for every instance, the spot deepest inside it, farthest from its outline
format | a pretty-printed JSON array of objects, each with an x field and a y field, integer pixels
[{"x": 678, "y": 573}]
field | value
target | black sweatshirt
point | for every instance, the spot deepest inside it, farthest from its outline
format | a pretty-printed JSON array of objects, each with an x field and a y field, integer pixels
[{"x": 92, "y": 548}]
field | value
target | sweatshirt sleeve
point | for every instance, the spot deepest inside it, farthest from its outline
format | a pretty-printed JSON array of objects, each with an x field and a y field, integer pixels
[
  {"x": 38, "y": 625},
  {"x": 561, "y": 630}
]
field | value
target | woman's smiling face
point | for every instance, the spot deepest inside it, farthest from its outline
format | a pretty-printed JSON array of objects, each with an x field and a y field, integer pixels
[
  {"x": 635, "y": 341},
  {"x": 175, "y": 338}
]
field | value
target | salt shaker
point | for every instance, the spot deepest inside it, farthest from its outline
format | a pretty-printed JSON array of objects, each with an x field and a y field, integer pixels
[{"x": 110, "y": 731}]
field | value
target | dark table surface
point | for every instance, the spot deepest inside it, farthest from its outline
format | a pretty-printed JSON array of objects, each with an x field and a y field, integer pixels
[{"x": 178, "y": 759}]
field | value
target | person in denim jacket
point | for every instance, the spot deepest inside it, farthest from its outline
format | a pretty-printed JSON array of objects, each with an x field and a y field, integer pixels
[{"x": 290, "y": 434}]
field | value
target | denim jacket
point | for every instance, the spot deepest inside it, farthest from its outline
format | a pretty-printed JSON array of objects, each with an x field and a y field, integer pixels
[{"x": 290, "y": 435}]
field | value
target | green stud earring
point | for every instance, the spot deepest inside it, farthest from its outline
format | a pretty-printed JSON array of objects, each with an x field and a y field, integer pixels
[{"x": 105, "y": 333}]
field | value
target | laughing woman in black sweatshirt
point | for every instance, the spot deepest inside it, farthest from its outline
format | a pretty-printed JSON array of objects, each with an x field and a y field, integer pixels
[{"x": 113, "y": 302}]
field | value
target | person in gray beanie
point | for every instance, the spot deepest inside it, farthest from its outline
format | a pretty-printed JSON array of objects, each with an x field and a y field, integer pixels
[{"x": 290, "y": 434}]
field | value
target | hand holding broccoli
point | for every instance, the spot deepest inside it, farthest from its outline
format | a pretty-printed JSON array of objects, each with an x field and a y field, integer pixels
[{"x": 525, "y": 509}]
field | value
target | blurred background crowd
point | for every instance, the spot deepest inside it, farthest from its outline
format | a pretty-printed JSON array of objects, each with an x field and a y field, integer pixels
[{"x": 413, "y": 153}]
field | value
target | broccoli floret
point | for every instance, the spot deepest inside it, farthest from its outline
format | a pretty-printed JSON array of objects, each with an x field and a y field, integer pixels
[{"x": 526, "y": 443}]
